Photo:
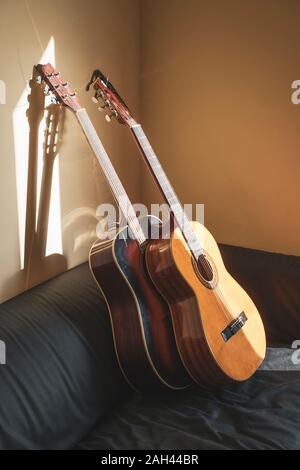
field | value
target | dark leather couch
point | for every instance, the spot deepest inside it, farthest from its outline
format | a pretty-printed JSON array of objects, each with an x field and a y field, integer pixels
[{"x": 61, "y": 387}]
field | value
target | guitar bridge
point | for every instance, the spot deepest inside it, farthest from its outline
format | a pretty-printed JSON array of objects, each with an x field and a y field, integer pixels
[{"x": 234, "y": 326}]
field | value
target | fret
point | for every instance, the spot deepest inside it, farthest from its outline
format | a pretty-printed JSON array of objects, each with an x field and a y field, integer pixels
[
  {"x": 182, "y": 220},
  {"x": 111, "y": 175}
]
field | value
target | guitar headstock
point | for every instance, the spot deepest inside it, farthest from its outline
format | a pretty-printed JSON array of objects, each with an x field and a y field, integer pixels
[
  {"x": 109, "y": 99},
  {"x": 55, "y": 83},
  {"x": 36, "y": 100}
]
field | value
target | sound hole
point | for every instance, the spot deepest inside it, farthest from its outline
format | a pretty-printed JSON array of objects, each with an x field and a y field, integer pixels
[{"x": 205, "y": 269}]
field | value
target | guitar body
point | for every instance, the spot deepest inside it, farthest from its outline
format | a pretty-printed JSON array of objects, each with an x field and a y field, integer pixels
[
  {"x": 140, "y": 318},
  {"x": 200, "y": 313}
]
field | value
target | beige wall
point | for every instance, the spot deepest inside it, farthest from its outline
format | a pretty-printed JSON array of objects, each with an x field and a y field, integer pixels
[
  {"x": 216, "y": 87},
  {"x": 215, "y": 101},
  {"x": 87, "y": 34}
]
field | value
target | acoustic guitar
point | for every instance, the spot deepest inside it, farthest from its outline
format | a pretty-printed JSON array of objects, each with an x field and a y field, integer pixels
[
  {"x": 218, "y": 330},
  {"x": 140, "y": 318}
]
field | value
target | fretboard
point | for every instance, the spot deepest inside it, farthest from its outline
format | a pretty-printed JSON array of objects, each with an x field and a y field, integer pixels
[
  {"x": 167, "y": 190},
  {"x": 111, "y": 175}
]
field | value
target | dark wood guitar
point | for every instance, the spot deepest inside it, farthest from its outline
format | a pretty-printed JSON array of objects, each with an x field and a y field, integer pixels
[
  {"x": 219, "y": 332},
  {"x": 140, "y": 318}
]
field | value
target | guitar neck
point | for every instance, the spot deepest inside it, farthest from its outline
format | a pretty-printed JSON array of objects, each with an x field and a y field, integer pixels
[
  {"x": 167, "y": 190},
  {"x": 111, "y": 175}
]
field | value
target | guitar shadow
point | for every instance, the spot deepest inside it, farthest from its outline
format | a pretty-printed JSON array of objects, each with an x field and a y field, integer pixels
[{"x": 37, "y": 266}]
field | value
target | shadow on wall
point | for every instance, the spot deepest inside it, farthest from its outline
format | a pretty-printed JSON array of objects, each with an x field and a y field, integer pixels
[
  {"x": 77, "y": 184},
  {"x": 39, "y": 267},
  {"x": 43, "y": 253},
  {"x": 49, "y": 243}
]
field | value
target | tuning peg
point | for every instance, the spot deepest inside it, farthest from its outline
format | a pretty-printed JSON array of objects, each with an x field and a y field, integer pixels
[
  {"x": 94, "y": 99},
  {"x": 99, "y": 94},
  {"x": 46, "y": 89},
  {"x": 39, "y": 79},
  {"x": 108, "y": 117},
  {"x": 106, "y": 104},
  {"x": 102, "y": 108}
]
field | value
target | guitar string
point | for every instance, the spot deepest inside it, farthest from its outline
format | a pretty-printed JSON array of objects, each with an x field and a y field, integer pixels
[
  {"x": 216, "y": 290},
  {"x": 220, "y": 297},
  {"x": 119, "y": 190},
  {"x": 117, "y": 187},
  {"x": 113, "y": 180}
]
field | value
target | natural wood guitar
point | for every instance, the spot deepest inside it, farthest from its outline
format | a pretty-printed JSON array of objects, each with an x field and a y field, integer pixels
[
  {"x": 219, "y": 332},
  {"x": 140, "y": 318}
]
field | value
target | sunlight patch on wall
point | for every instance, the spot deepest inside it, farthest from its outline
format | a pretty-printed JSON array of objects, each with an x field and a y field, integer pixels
[
  {"x": 2, "y": 92},
  {"x": 54, "y": 238},
  {"x": 21, "y": 142}
]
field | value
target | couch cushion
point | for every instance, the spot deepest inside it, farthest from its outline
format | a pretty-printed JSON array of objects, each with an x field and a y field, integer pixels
[
  {"x": 61, "y": 374},
  {"x": 62, "y": 379},
  {"x": 262, "y": 413}
]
